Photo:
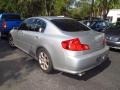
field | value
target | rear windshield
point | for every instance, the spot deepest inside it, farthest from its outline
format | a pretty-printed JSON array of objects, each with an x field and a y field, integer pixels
[
  {"x": 69, "y": 25},
  {"x": 11, "y": 17}
]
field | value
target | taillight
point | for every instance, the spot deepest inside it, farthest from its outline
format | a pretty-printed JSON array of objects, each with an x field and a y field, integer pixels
[
  {"x": 4, "y": 25},
  {"x": 74, "y": 45}
]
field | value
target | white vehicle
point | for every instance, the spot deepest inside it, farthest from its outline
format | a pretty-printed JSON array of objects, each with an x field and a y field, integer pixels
[{"x": 114, "y": 15}]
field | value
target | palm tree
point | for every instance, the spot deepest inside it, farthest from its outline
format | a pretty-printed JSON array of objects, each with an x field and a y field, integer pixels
[{"x": 102, "y": 7}]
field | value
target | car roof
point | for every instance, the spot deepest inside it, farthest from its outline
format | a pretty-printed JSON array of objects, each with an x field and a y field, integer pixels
[{"x": 53, "y": 17}]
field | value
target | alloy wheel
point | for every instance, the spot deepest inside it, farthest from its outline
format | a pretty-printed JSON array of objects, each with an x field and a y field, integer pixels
[{"x": 43, "y": 61}]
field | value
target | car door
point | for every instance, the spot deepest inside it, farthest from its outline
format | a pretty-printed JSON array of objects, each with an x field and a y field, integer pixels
[
  {"x": 18, "y": 33},
  {"x": 37, "y": 28},
  {"x": 22, "y": 40}
]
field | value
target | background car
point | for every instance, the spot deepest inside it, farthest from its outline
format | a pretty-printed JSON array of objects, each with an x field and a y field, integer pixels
[
  {"x": 97, "y": 25},
  {"x": 60, "y": 43},
  {"x": 8, "y": 21},
  {"x": 113, "y": 36}
]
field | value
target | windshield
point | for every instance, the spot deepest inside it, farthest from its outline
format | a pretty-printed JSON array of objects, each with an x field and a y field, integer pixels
[{"x": 69, "y": 25}]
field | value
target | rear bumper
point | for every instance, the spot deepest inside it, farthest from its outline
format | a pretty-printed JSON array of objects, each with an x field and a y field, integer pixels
[
  {"x": 79, "y": 64},
  {"x": 113, "y": 44}
]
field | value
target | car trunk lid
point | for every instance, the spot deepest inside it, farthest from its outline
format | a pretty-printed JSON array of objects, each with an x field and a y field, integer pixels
[{"x": 95, "y": 40}]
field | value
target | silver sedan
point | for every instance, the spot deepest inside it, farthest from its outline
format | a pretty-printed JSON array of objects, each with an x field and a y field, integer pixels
[{"x": 60, "y": 43}]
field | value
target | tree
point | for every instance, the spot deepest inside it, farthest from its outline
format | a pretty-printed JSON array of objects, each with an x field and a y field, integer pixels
[
  {"x": 79, "y": 9},
  {"x": 7, "y": 5},
  {"x": 28, "y": 8},
  {"x": 102, "y": 7},
  {"x": 60, "y": 7}
]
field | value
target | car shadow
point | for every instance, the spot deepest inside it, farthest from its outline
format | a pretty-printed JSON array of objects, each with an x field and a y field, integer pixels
[
  {"x": 115, "y": 50},
  {"x": 91, "y": 73},
  {"x": 16, "y": 70},
  {"x": 12, "y": 69}
]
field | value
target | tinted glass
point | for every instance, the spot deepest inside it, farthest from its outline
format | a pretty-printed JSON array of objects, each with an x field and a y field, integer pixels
[
  {"x": 99, "y": 24},
  {"x": 23, "y": 26},
  {"x": 26, "y": 25},
  {"x": 69, "y": 25},
  {"x": 10, "y": 17},
  {"x": 39, "y": 25},
  {"x": 30, "y": 24}
]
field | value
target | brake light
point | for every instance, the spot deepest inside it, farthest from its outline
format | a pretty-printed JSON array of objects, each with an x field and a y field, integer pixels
[
  {"x": 4, "y": 25},
  {"x": 74, "y": 45}
]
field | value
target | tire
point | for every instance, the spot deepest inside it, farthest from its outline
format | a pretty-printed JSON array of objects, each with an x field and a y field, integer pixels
[
  {"x": 45, "y": 61},
  {"x": 10, "y": 41}
]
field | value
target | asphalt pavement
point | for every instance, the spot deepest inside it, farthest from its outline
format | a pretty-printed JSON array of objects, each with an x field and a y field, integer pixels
[{"x": 18, "y": 71}]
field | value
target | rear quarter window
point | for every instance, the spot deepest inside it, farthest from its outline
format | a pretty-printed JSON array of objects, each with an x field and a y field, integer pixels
[{"x": 69, "y": 25}]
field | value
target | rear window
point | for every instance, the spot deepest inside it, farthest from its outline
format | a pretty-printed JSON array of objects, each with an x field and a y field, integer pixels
[
  {"x": 11, "y": 17},
  {"x": 69, "y": 25}
]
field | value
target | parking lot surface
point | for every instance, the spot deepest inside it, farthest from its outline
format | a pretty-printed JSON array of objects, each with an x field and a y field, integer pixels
[{"x": 18, "y": 71}]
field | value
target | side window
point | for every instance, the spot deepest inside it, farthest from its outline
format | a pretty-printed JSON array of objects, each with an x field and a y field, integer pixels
[
  {"x": 23, "y": 26},
  {"x": 29, "y": 23},
  {"x": 43, "y": 26},
  {"x": 39, "y": 25},
  {"x": 26, "y": 25},
  {"x": 35, "y": 25}
]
